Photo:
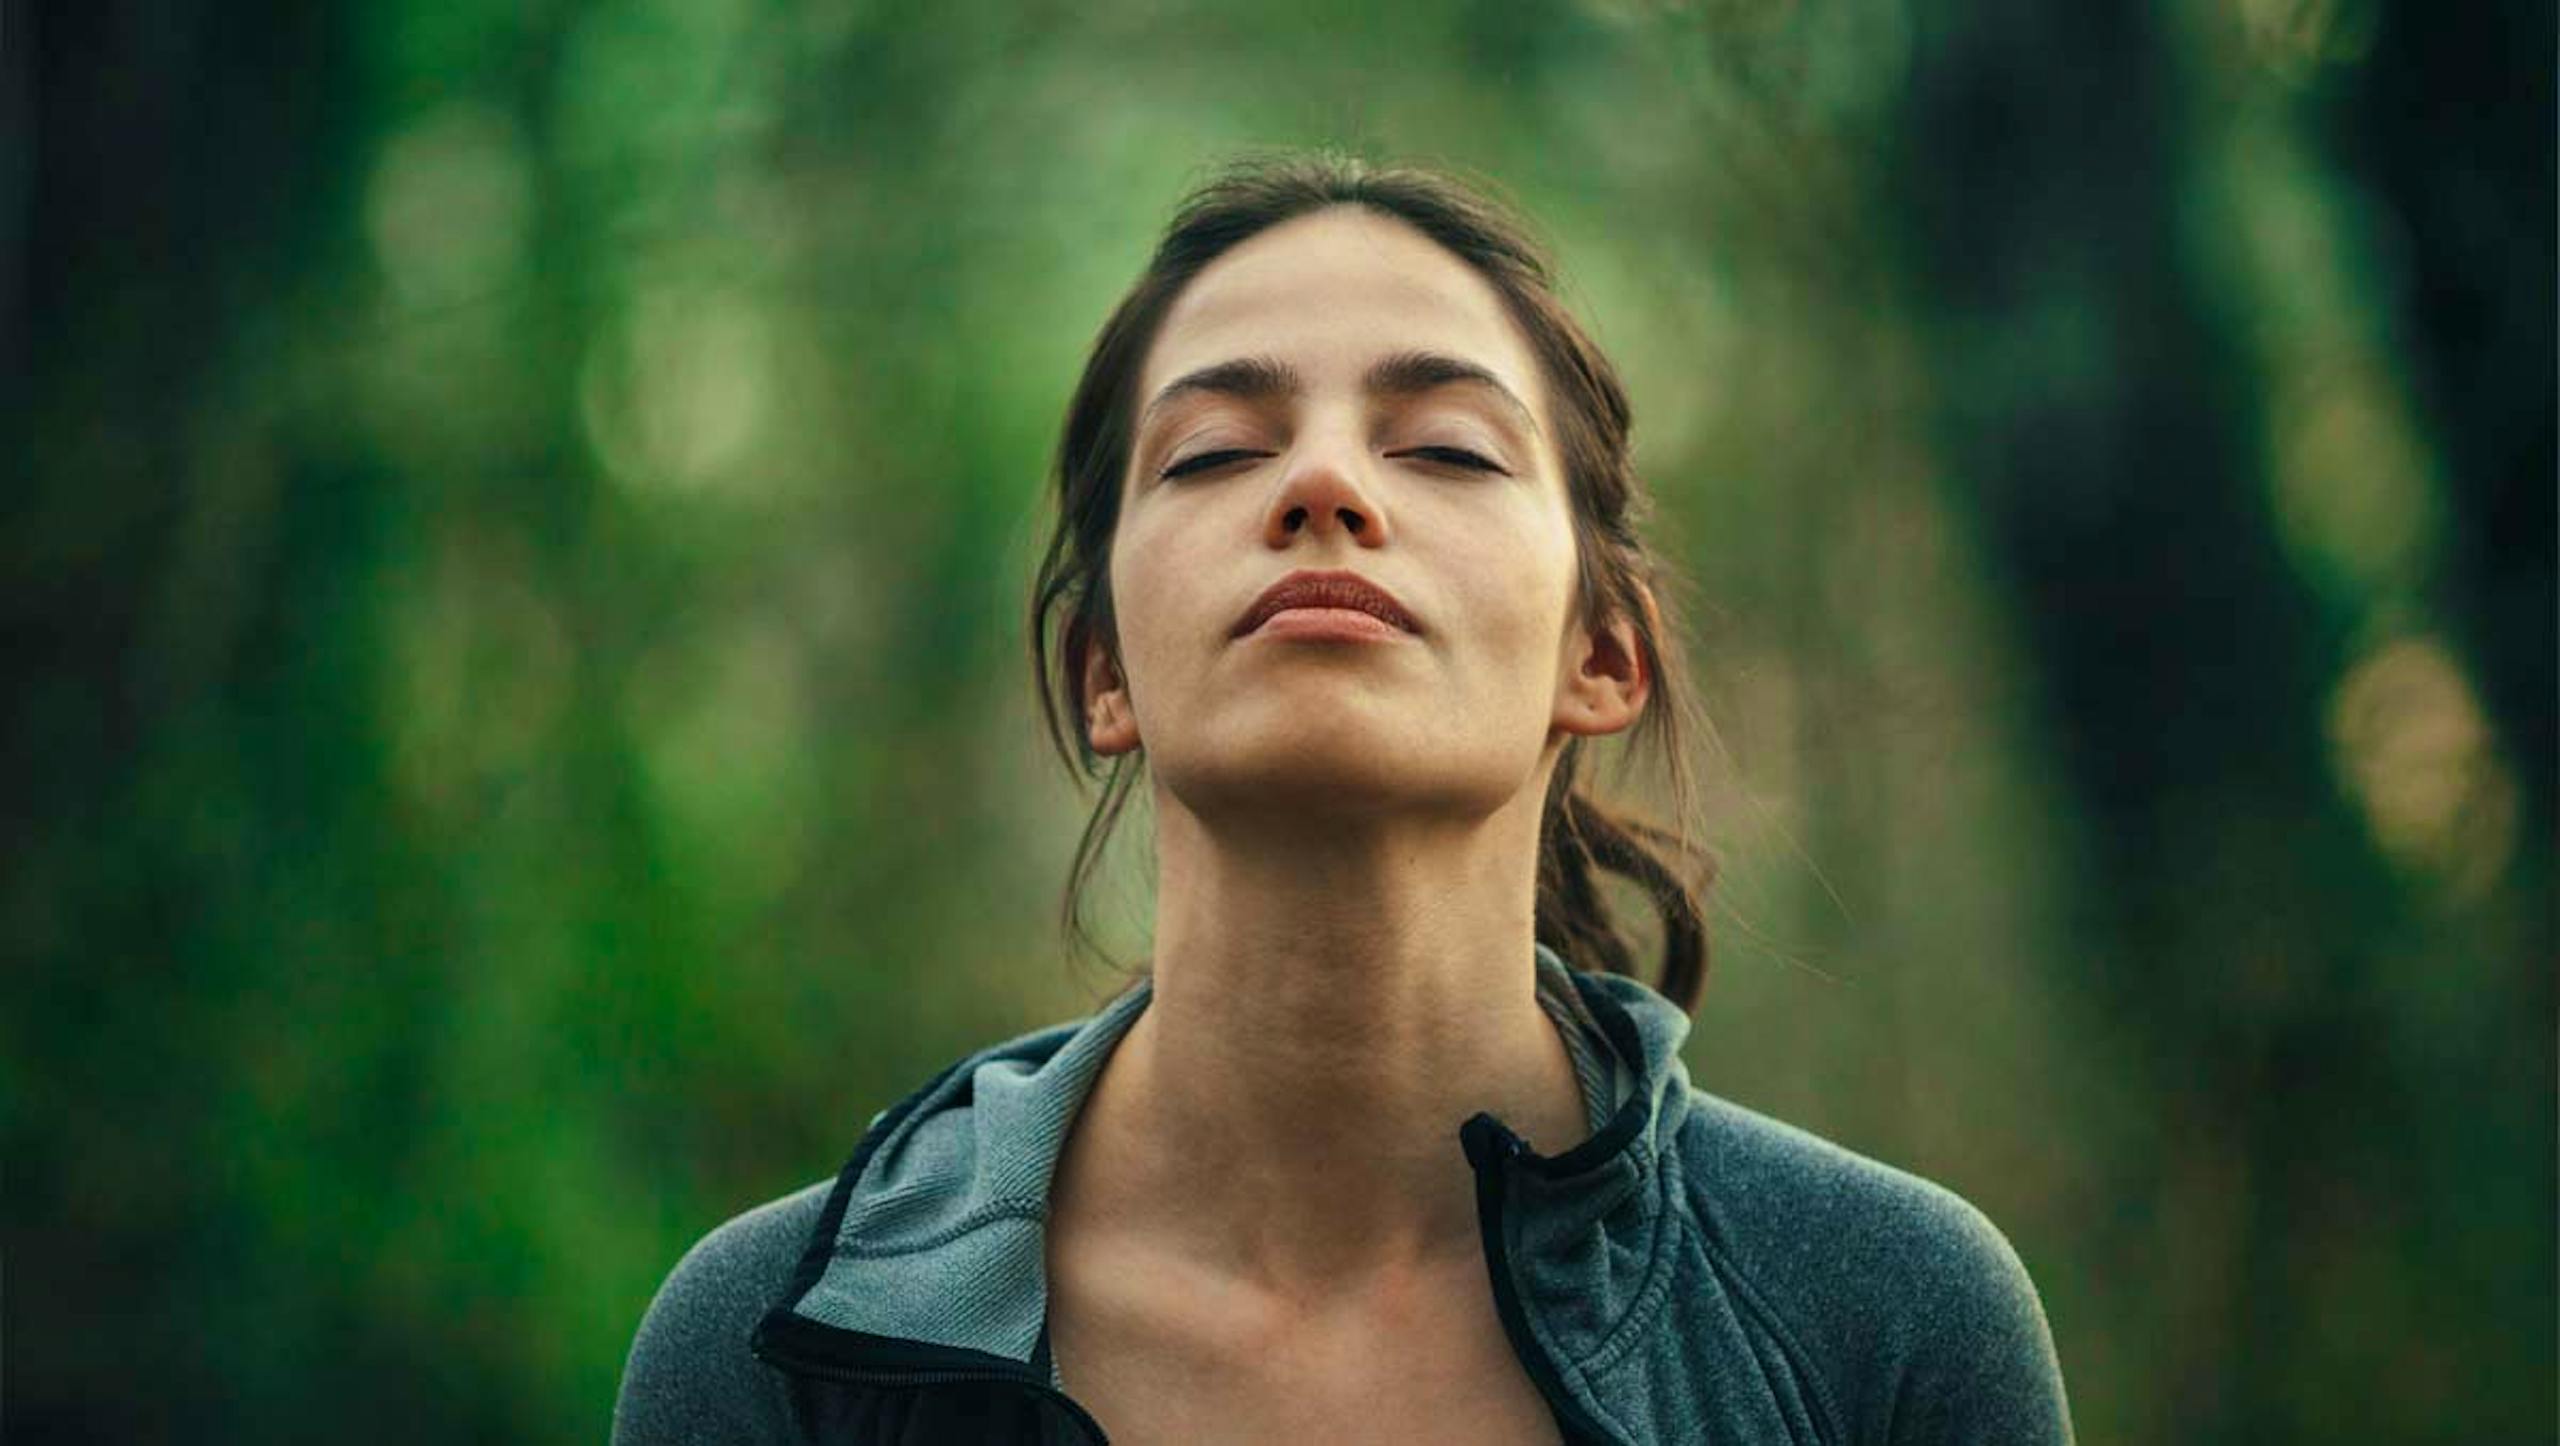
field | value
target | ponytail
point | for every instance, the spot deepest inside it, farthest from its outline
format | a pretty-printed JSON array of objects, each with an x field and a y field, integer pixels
[{"x": 1574, "y": 917}]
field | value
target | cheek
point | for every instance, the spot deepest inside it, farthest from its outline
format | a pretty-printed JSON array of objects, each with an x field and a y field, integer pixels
[
  {"x": 1149, "y": 606},
  {"x": 1529, "y": 588},
  {"x": 1164, "y": 560},
  {"x": 1514, "y": 621}
]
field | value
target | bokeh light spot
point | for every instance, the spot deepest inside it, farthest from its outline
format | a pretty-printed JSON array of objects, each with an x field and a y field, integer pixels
[
  {"x": 2408, "y": 736},
  {"x": 674, "y": 394},
  {"x": 449, "y": 206}
]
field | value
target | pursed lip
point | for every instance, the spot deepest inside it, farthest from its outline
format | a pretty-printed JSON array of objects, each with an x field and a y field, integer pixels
[{"x": 1325, "y": 590}]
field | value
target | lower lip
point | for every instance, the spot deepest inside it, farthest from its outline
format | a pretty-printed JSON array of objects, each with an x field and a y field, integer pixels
[{"x": 1332, "y": 625}]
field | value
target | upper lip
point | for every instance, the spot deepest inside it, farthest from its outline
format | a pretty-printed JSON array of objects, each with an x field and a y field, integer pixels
[{"x": 1325, "y": 590}]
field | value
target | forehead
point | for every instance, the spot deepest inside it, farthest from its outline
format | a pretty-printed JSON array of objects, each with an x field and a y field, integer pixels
[{"x": 1332, "y": 291}]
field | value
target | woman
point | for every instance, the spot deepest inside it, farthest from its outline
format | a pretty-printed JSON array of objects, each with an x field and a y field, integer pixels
[{"x": 1346, "y": 555}]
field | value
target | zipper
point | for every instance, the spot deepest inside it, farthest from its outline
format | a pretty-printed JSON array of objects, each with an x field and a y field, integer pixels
[
  {"x": 775, "y": 1343},
  {"x": 1490, "y": 1147}
]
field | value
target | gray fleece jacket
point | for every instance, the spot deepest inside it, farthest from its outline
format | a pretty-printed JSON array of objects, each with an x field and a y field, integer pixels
[{"x": 1693, "y": 1272}]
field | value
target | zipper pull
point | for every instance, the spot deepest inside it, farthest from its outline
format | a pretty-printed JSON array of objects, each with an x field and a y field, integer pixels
[{"x": 1489, "y": 1143}]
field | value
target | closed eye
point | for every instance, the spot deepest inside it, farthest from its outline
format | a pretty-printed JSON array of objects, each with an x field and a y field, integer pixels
[
  {"x": 1455, "y": 457},
  {"x": 1219, "y": 457},
  {"x": 1206, "y": 460}
]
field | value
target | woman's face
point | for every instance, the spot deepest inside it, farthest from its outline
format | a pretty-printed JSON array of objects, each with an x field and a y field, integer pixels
[{"x": 1339, "y": 394}]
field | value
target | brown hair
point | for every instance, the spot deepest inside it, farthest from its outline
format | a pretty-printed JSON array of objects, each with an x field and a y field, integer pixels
[{"x": 1071, "y": 604}]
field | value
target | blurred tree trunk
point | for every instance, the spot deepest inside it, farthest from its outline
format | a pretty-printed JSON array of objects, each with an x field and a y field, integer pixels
[
  {"x": 2102, "y": 422},
  {"x": 2448, "y": 123},
  {"x": 174, "y": 165}
]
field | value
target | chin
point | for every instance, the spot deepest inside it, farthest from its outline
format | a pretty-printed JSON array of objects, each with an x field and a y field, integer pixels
[{"x": 1342, "y": 772}]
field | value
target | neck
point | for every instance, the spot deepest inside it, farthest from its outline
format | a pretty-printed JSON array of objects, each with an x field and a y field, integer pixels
[{"x": 1329, "y": 1006}]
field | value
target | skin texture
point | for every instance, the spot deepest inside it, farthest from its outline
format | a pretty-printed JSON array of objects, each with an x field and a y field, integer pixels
[{"x": 1266, "y": 1181}]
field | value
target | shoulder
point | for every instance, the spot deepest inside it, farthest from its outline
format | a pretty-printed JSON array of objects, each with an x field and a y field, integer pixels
[
  {"x": 1913, "y": 1305},
  {"x": 690, "y": 1375},
  {"x": 1791, "y": 1199}
]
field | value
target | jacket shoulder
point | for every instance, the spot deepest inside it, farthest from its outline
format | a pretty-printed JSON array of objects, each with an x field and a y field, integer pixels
[
  {"x": 1914, "y": 1308},
  {"x": 691, "y": 1375}
]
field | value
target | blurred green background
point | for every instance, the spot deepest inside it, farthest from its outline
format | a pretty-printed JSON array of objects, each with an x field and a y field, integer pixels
[{"x": 517, "y": 519}]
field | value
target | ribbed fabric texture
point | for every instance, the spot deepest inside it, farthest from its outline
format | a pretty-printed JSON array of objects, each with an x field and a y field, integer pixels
[{"x": 1605, "y": 1084}]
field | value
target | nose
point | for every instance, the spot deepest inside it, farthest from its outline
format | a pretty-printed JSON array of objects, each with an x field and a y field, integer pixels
[{"x": 1325, "y": 491}]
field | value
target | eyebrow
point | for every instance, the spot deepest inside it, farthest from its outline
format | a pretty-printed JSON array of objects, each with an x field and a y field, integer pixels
[{"x": 1404, "y": 373}]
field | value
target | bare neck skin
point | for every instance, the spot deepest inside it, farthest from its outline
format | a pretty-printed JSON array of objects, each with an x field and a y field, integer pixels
[{"x": 1331, "y": 1001}]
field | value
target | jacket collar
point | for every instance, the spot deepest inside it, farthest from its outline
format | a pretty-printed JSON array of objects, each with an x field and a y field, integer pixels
[{"x": 934, "y": 1234}]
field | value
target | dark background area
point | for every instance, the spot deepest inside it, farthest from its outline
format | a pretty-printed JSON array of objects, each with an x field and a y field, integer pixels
[{"x": 517, "y": 520}]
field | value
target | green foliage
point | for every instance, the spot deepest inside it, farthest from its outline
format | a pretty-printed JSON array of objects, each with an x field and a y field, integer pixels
[{"x": 523, "y": 743}]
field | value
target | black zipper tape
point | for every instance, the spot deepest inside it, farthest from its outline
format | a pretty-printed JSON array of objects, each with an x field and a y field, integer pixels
[
  {"x": 810, "y": 1348},
  {"x": 1490, "y": 1146}
]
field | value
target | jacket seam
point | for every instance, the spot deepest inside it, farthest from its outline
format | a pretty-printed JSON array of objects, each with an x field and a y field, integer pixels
[
  {"x": 1598, "y": 1405},
  {"x": 1572, "y": 1375},
  {"x": 1650, "y": 1295},
  {"x": 1009, "y": 1208},
  {"x": 1772, "y": 1319},
  {"x": 811, "y": 1269}
]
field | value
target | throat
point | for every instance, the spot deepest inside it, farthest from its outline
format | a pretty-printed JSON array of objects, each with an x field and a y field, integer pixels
[{"x": 1300, "y": 1167}]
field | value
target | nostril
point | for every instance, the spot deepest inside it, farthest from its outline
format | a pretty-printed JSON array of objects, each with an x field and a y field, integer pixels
[{"x": 1352, "y": 521}]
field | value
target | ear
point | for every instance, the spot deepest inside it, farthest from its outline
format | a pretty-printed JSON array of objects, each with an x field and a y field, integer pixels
[
  {"x": 1109, "y": 722},
  {"x": 1604, "y": 683}
]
